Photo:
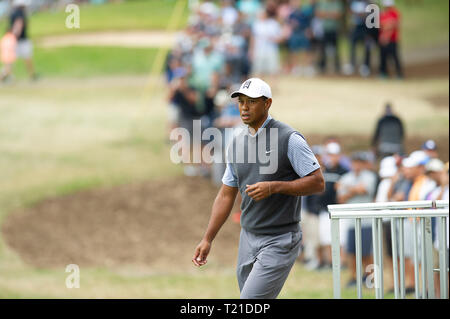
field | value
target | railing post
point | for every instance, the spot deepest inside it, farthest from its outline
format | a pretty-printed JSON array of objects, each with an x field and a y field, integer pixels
[
  {"x": 429, "y": 257},
  {"x": 401, "y": 234},
  {"x": 376, "y": 259},
  {"x": 416, "y": 260},
  {"x": 394, "y": 255},
  {"x": 443, "y": 258},
  {"x": 358, "y": 246},
  {"x": 422, "y": 258},
  {"x": 380, "y": 255},
  {"x": 336, "y": 257},
  {"x": 418, "y": 211}
]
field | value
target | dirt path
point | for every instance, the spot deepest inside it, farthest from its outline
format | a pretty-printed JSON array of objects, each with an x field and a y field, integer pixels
[
  {"x": 152, "y": 39},
  {"x": 153, "y": 223},
  {"x": 131, "y": 39}
]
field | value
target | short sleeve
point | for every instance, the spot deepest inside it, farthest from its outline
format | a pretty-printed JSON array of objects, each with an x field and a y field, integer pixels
[
  {"x": 301, "y": 156},
  {"x": 229, "y": 177}
]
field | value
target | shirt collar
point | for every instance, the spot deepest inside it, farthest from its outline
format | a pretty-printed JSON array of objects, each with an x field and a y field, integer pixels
[{"x": 262, "y": 126}]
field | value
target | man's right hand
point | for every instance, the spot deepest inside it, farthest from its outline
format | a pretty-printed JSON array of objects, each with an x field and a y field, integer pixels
[
  {"x": 220, "y": 211},
  {"x": 201, "y": 252}
]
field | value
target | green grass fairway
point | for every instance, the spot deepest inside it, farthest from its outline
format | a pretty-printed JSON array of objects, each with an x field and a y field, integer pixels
[
  {"x": 127, "y": 15},
  {"x": 424, "y": 23},
  {"x": 76, "y": 62}
]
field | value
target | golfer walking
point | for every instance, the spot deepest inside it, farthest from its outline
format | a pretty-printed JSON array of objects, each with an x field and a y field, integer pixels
[{"x": 270, "y": 235}]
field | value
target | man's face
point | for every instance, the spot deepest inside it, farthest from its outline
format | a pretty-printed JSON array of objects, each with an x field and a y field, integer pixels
[
  {"x": 435, "y": 176},
  {"x": 412, "y": 172},
  {"x": 432, "y": 153},
  {"x": 357, "y": 166},
  {"x": 408, "y": 172},
  {"x": 253, "y": 110},
  {"x": 334, "y": 159}
]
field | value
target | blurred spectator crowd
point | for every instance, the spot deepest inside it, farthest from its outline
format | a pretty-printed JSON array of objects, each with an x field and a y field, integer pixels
[
  {"x": 385, "y": 173},
  {"x": 365, "y": 177},
  {"x": 228, "y": 41},
  {"x": 299, "y": 37}
]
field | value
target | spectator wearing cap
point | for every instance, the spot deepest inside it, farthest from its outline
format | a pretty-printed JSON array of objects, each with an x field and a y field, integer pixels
[
  {"x": 430, "y": 148},
  {"x": 420, "y": 186},
  {"x": 438, "y": 172},
  {"x": 410, "y": 173},
  {"x": 332, "y": 173},
  {"x": 369, "y": 161},
  {"x": 357, "y": 186},
  {"x": 388, "y": 168},
  {"x": 344, "y": 160},
  {"x": 389, "y": 134},
  {"x": 435, "y": 170}
]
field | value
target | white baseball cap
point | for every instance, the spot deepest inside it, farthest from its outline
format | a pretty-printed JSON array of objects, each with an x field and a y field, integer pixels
[
  {"x": 388, "y": 3},
  {"x": 333, "y": 148},
  {"x": 254, "y": 88},
  {"x": 434, "y": 165},
  {"x": 429, "y": 145},
  {"x": 221, "y": 98},
  {"x": 388, "y": 167},
  {"x": 416, "y": 158},
  {"x": 420, "y": 157}
]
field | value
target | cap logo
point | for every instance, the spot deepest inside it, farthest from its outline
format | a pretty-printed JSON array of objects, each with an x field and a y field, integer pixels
[{"x": 246, "y": 84}]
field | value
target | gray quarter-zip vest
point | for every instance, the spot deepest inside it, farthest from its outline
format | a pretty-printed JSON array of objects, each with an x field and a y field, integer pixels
[{"x": 260, "y": 158}]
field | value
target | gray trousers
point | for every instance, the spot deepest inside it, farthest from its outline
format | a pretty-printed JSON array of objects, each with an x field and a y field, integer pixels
[{"x": 264, "y": 263}]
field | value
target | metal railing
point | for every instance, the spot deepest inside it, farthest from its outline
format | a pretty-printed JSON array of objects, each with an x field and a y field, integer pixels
[{"x": 421, "y": 213}]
